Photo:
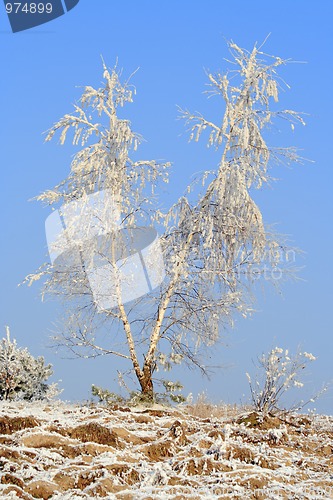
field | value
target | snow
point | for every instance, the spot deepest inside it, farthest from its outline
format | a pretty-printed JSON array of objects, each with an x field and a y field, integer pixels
[{"x": 90, "y": 451}]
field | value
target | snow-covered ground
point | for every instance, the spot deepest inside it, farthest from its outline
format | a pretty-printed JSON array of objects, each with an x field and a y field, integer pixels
[{"x": 69, "y": 452}]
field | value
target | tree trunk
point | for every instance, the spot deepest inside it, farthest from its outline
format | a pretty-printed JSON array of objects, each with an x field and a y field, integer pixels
[{"x": 146, "y": 383}]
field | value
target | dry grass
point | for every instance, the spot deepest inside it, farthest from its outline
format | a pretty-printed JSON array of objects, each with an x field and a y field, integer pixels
[{"x": 203, "y": 408}]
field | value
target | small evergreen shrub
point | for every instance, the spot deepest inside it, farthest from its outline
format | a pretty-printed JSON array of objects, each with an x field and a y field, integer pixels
[
  {"x": 171, "y": 395},
  {"x": 21, "y": 375}
]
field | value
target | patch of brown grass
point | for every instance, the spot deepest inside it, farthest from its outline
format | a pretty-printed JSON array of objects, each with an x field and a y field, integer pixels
[
  {"x": 205, "y": 409},
  {"x": 95, "y": 433},
  {"x": 9, "y": 425}
]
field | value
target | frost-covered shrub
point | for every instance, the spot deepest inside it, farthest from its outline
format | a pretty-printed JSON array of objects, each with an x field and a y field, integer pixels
[
  {"x": 21, "y": 375},
  {"x": 278, "y": 373}
]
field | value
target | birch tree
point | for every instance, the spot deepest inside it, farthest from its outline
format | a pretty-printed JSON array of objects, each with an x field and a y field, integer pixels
[{"x": 214, "y": 248}]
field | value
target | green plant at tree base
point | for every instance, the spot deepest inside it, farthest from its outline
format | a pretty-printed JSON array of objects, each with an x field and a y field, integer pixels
[{"x": 135, "y": 398}]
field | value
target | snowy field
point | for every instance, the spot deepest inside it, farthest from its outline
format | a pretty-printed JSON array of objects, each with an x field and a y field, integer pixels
[{"x": 69, "y": 452}]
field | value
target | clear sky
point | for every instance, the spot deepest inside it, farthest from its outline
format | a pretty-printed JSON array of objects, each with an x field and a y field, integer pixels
[{"x": 172, "y": 43}]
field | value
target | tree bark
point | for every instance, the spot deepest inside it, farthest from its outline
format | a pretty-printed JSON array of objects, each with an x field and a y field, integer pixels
[{"x": 146, "y": 383}]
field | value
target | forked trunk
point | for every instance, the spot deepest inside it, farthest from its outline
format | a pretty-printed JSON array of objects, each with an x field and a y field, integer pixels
[{"x": 146, "y": 384}]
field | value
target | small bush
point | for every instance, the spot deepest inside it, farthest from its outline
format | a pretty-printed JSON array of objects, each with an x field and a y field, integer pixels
[
  {"x": 278, "y": 373},
  {"x": 21, "y": 375},
  {"x": 137, "y": 398},
  {"x": 105, "y": 396}
]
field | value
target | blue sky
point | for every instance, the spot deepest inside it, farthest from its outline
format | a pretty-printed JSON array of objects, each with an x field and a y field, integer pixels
[{"x": 172, "y": 43}]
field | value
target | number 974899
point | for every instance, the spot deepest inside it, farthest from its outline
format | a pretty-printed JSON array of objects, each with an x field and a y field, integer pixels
[{"x": 28, "y": 8}]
